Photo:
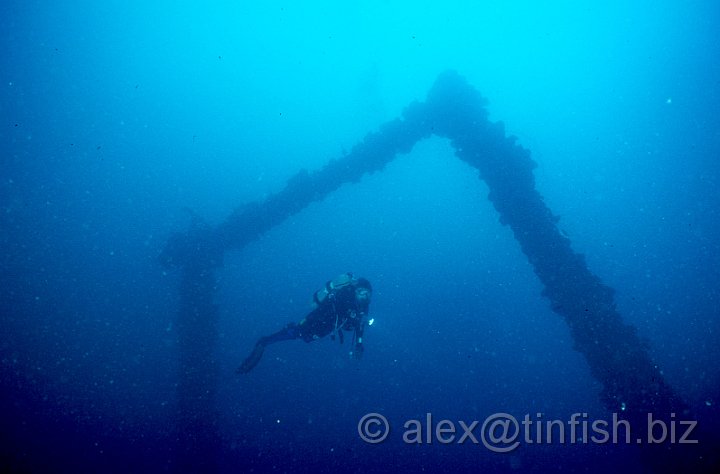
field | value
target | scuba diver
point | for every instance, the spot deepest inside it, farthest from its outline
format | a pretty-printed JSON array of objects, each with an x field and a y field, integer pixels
[{"x": 341, "y": 305}]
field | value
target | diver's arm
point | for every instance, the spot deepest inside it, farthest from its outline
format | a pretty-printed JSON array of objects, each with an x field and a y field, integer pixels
[{"x": 359, "y": 347}]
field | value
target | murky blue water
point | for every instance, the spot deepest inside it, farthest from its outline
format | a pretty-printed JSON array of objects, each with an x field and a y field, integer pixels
[{"x": 122, "y": 122}]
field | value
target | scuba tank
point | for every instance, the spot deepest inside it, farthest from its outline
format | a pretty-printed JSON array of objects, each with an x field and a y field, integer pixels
[{"x": 331, "y": 286}]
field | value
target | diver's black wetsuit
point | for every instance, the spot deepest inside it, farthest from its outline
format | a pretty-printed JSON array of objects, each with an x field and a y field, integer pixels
[{"x": 340, "y": 311}]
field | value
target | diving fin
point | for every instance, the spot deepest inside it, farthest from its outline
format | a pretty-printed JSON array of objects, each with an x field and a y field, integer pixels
[{"x": 252, "y": 360}]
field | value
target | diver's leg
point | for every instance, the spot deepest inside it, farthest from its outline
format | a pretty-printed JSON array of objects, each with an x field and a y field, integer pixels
[
  {"x": 316, "y": 325},
  {"x": 289, "y": 332},
  {"x": 285, "y": 334}
]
